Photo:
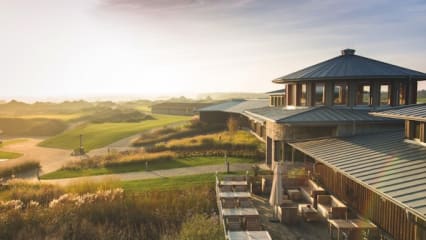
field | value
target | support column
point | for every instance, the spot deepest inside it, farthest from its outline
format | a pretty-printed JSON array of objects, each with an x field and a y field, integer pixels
[
  {"x": 352, "y": 88},
  {"x": 268, "y": 151},
  {"x": 293, "y": 155},
  {"x": 328, "y": 88},
  {"x": 375, "y": 94}
]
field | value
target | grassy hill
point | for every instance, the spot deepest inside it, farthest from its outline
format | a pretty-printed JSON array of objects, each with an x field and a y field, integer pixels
[{"x": 97, "y": 135}]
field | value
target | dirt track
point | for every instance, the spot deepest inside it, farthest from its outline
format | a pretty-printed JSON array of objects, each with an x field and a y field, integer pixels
[{"x": 50, "y": 159}]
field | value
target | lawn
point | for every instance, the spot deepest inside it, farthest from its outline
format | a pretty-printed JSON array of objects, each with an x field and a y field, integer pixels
[
  {"x": 9, "y": 155},
  {"x": 170, "y": 183},
  {"x": 97, "y": 135},
  {"x": 156, "y": 165}
]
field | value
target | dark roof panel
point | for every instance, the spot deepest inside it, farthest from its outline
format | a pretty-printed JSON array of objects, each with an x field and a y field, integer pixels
[{"x": 350, "y": 66}]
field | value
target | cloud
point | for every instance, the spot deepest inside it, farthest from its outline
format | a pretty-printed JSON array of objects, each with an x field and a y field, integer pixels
[{"x": 173, "y": 5}]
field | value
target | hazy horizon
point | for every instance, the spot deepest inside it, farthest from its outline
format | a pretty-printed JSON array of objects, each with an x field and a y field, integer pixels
[{"x": 56, "y": 49}]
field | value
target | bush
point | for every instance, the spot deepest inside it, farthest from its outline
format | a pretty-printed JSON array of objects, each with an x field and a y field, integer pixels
[
  {"x": 20, "y": 168},
  {"x": 119, "y": 159},
  {"x": 195, "y": 127},
  {"x": 201, "y": 227}
]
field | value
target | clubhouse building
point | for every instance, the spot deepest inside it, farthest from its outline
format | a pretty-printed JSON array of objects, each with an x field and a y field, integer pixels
[{"x": 352, "y": 122}]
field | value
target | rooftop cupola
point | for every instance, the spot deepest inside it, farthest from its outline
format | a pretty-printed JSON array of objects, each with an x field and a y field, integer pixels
[{"x": 348, "y": 51}]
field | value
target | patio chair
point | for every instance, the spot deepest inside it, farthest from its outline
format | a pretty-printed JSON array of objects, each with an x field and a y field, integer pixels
[
  {"x": 233, "y": 224},
  {"x": 241, "y": 189},
  {"x": 253, "y": 224},
  {"x": 229, "y": 203},
  {"x": 246, "y": 203},
  {"x": 225, "y": 188},
  {"x": 227, "y": 178},
  {"x": 238, "y": 178}
]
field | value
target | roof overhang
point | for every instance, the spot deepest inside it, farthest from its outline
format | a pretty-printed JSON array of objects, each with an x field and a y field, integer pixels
[{"x": 349, "y": 78}]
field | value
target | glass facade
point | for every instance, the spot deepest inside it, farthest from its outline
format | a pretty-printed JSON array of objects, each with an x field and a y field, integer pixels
[
  {"x": 319, "y": 93},
  {"x": 303, "y": 94},
  {"x": 363, "y": 94},
  {"x": 385, "y": 94},
  {"x": 340, "y": 94}
]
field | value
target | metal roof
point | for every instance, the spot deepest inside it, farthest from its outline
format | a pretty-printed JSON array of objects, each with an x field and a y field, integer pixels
[
  {"x": 352, "y": 67},
  {"x": 312, "y": 115},
  {"x": 383, "y": 162},
  {"x": 236, "y": 105},
  {"x": 279, "y": 91},
  {"x": 410, "y": 112}
]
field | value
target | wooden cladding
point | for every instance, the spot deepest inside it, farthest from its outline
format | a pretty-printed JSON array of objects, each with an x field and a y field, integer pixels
[{"x": 392, "y": 218}]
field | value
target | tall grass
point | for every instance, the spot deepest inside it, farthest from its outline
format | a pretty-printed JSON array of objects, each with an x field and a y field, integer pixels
[
  {"x": 194, "y": 127},
  {"x": 111, "y": 214},
  {"x": 241, "y": 144}
]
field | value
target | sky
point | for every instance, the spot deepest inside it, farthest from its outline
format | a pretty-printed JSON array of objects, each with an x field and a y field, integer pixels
[{"x": 147, "y": 48}]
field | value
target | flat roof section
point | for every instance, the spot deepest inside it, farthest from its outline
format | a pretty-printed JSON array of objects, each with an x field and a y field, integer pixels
[{"x": 236, "y": 106}]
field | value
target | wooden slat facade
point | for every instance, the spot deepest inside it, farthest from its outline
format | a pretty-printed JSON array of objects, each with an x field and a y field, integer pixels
[{"x": 389, "y": 216}]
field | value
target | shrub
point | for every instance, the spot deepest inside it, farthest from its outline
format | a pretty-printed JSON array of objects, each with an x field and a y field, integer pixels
[
  {"x": 20, "y": 168},
  {"x": 201, "y": 227}
]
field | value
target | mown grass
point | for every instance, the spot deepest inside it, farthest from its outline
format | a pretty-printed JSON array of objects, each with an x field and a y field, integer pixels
[
  {"x": 9, "y": 155},
  {"x": 140, "y": 166},
  {"x": 12, "y": 141},
  {"x": 102, "y": 134},
  {"x": 170, "y": 183}
]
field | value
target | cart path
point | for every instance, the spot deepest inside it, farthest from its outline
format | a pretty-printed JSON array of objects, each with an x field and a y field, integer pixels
[
  {"x": 154, "y": 174},
  {"x": 51, "y": 159}
]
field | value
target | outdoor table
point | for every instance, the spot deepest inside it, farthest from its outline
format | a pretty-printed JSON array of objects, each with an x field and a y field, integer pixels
[
  {"x": 233, "y": 183},
  {"x": 239, "y": 212},
  {"x": 308, "y": 213},
  {"x": 249, "y": 235},
  {"x": 234, "y": 195},
  {"x": 349, "y": 225}
]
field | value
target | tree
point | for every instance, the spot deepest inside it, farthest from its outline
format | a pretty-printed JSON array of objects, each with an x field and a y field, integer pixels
[{"x": 233, "y": 125}]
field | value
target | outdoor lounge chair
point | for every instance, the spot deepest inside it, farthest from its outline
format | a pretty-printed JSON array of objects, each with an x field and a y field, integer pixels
[
  {"x": 241, "y": 189},
  {"x": 331, "y": 208},
  {"x": 253, "y": 224},
  {"x": 246, "y": 203},
  {"x": 233, "y": 224},
  {"x": 229, "y": 203},
  {"x": 225, "y": 188}
]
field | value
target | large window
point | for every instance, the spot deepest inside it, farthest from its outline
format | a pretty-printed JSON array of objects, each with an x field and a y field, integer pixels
[
  {"x": 303, "y": 94},
  {"x": 402, "y": 94},
  {"x": 385, "y": 93},
  {"x": 319, "y": 93},
  {"x": 416, "y": 130},
  {"x": 291, "y": 94},
  {"x": 340, "y": 93},
  {"x": 363, "y": 94}
]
